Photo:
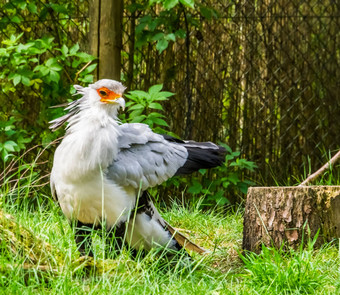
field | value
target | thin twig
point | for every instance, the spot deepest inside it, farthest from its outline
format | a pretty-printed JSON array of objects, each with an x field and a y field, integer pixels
[
  {"x": 82, "y": 69},
  {"x": 30, "y": 166},
  {"x": 10, "y": 167},
  {"x": 325, "y": 167}
]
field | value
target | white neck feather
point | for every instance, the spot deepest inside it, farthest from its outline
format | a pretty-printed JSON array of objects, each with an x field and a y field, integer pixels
[{"x": 91, "y": 141}]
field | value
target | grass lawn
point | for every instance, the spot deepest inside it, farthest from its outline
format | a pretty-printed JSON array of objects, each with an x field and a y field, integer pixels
[{"x": 222, "y": 271}]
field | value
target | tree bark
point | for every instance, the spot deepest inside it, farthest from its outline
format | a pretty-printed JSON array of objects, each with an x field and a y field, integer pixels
[
  {"x": 106, "y": 36},
  {"x": 290, "y": 215}
]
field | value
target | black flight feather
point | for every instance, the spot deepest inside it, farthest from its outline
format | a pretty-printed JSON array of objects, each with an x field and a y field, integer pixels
[{"x": 201, "y": 155}]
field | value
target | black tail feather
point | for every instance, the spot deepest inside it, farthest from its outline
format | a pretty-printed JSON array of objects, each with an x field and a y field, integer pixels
[{"x": 202, "y": 157}]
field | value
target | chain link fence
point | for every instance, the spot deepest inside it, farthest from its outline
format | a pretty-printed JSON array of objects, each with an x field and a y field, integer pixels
[{"x": 262, "y": 76}]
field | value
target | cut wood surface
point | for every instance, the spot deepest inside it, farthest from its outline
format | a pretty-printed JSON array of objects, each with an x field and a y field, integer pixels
[{"x": 276, "y": 215}]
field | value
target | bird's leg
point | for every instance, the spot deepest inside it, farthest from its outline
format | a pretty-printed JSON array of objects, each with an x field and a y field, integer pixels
[{"x": 83, "y": 238}]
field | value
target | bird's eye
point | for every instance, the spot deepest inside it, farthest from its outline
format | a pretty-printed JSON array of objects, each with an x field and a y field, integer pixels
[{"x": 102, "y": 93}]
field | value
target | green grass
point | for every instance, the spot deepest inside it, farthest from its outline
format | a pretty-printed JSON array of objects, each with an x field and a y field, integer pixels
[{"x": 224, "y": 270}]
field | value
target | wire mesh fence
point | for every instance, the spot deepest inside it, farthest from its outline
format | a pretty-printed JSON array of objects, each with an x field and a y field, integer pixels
[{"x": 261, "y": 76}]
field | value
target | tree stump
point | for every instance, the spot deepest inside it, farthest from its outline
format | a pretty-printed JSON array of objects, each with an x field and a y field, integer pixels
[{"x": 290, "y": 215}]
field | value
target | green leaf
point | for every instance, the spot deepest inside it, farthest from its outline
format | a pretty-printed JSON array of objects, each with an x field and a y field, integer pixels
[
  {"x": 32, "y": 8},
  {"x": 195, "y": 188},
  {"x": 168, "y": 4},
  {"x": 74, "y": 49},
  {"x": 149, "y": 122},
  {"x": 15, "y": 19},
  {"x": 43, "y": 70},
  {"x": 56, "y": 67},
  {"x": 160, "y": 122},
  {"x": 89, "y": 69},
  {"x": 233, "y": 178},
  {"x": 188, "y": 3},
  {"x": 161, "y": 95},
  {"x": 229, "y": 157},
  {"x": 25, "y": 80},
  {"x": 84, "y": 57},
  {"x": 16, "y": 79},
  {"x": 76, "y": 63},
  {"x": 34, "y": 60},
  {"x": 157, "y": 37},
  {"x": 135, "y": 113},
  {"x": 136, "y": 107},
  {"x": 202, "y": 171},
  {"x": 243, "y": 187},
  {"x": 138, "y": 119},
  {"x": 54, "y": 76},
  {"x": 139, "y": 94},
  {"x": 155, "y": 88},
  {"x": 171, "y": 37},
  {"x": 59, "y": 8},
  {"x": 155, "y": 115},
  {"x": 10, "y": 146},
  {"x": 227, "y": 147},
  {"x": 87, "y": 79},
  {"x": 155, "y": 105},
  {"x": 21, "y": 4},
  {"x": 180, "y": 34},
  {"x": 221, "y": 200},
  {"x": 64, "y": 50},
  {"x": 23, "y": 47},
  {"x": 208, "y": 12},
  {"x": 236, "y": 154},
  {"x": 162, "y": 45},
  {"x": 152, "y": 25},
  {"x": 166, "y": 94},
  {"x": 50, "y": 61}
]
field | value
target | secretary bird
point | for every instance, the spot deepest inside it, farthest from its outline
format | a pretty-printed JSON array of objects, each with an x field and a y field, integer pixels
[{"x": 103, "y": 168}]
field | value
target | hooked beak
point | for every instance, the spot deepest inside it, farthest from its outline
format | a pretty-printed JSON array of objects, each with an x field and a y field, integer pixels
[{"x": 121, "y": 102}]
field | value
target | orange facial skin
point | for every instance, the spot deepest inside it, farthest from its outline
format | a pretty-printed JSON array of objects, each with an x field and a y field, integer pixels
[{"x": 107, "y": 96}]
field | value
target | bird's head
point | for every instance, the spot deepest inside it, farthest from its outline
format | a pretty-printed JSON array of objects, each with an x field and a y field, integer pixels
[
  {"x": 103, "y": 98},
  {"x": 106, "y": 93}
]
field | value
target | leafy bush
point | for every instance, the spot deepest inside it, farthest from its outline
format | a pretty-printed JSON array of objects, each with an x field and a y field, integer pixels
[
  {"x": 37, "y": 72},
  {"x": 12, "y": 140},
  {"x": 226, "y": 179},
  {"x": 170, "y": 24},
  {"x": 144, "y": 107}
]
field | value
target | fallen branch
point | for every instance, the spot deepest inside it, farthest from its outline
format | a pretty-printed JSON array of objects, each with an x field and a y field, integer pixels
[{"x": 325, "y": 167}]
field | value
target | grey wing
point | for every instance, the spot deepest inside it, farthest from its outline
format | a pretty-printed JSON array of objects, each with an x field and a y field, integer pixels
[{"x": 145, "y": 159}]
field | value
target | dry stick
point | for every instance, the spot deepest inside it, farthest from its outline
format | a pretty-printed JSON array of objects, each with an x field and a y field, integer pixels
[
  {"x": 325, "y": 167},
  {"x": 11, "y": 167},
  {"x": 82, "y": 69},
  {"x": 35, "y": 161}
]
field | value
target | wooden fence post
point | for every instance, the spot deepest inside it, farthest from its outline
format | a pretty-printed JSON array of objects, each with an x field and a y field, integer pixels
[{"x": 106, "y": 36}]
